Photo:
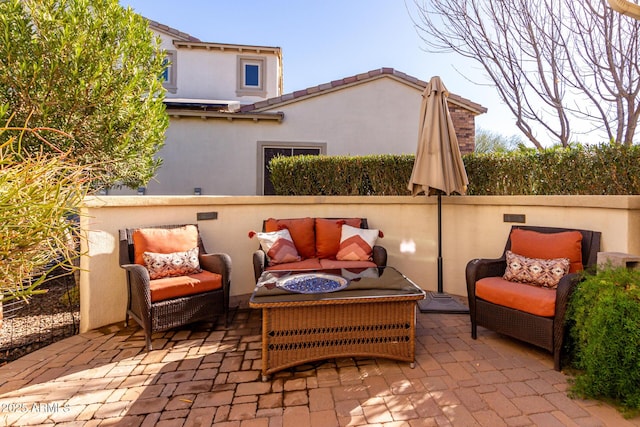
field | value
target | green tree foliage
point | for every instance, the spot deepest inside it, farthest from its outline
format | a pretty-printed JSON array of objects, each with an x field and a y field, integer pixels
[
  {"x": 90, "y": 69},
  {"x": 38, "y": 194},
  {"x": 493, "y": 142}
]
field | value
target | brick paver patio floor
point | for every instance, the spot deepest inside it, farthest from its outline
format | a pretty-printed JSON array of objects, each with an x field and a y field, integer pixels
[{"x": 202, "y": 377}]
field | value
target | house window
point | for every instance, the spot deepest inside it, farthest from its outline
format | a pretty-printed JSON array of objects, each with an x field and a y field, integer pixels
[
  {"x": 269, "y": 150},
  {"x": 170, "y": 74},
  {"x": 251, "y": 76}
]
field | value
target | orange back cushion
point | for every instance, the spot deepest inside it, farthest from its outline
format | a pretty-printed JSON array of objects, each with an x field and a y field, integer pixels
[
  {"x": 328, "y": 232},
  {"x": 532, "y": 244},
  {"x": 301, "y": 230},
  {"x": 163, "y": 241}
]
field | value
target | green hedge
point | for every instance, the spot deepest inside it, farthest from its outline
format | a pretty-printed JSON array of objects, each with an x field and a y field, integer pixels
[
  {"x": 603, "y": 169},
  {"x": 604, "y": 322},
  {"x": 383, "y": 175}
]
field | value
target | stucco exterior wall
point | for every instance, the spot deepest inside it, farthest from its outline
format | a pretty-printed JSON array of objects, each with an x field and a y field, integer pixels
[
  {"x": 473, "y": 227},
  {"x": 213, "y": 73},
  {"x": 221, "y": 156}
]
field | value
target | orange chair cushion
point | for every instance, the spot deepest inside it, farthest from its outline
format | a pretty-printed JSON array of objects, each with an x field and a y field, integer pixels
[
  {"x": 305, "y": 264},
  {"x": 163, "y": 241},
  {"x": 173, "y": 287},
  {"x": 328, "y": 264},
  {"x": 520, "y": 296},
  {"x": 328, "y": 233},
  {"x": 301, "y": 230},
  {"x": 566, "y": 244}
]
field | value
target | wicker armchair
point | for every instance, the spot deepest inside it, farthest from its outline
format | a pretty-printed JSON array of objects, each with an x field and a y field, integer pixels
[
  {"x": 176, "y": 311},
  {"x": 544, "y": 332}
]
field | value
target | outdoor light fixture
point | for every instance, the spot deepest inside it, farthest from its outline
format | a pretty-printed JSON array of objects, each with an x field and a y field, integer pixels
[{"x": 197, "y": 191}]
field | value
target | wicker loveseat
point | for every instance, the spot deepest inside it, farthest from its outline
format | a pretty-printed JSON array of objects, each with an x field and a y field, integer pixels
[
  {"x": 177, "y": 297},
  {"x": 534, "y": 314},
  {"x": 317, "y": 244}
]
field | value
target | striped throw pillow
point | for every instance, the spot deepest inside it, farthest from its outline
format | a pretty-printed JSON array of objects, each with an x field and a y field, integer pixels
[{"x": 356, "y": 244}]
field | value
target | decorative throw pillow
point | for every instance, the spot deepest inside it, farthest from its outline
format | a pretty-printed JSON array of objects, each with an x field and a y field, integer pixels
[
  {"x": 533, "y": 244},
  {"x": 328, "y": 233},
  {"x": 301, "y": 230},
  {"x": 173, "y": 264},
  {"x": 279, "y": 246},
  {"x": 540, "y": 272},
  {"x": 356, "y": 244},
  {"x": 163, "y": 240}
]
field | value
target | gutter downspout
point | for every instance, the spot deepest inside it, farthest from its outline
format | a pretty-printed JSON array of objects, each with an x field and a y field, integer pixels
[{"x": 625, "y": 7}]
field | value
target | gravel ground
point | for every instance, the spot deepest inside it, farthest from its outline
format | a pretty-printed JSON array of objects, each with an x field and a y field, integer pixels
[{"x": 46, "y": 318}]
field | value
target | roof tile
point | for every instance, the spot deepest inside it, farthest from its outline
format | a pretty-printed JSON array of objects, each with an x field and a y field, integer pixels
[{"x": 353, "y": 79}]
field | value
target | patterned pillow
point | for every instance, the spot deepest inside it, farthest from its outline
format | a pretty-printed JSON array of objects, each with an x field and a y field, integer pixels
[
  {"x": 540, "y": 272},
  {"x": 356, "y": 244},
  {"x": 279, "y": 246},
  {"x": 173, "y": 264}
]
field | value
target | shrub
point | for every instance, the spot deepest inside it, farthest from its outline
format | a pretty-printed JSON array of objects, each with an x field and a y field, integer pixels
[
  {"x": 607, "y": 169},
  {"x": 604, "y": 318},
  {"x": 38, "y": 194}
]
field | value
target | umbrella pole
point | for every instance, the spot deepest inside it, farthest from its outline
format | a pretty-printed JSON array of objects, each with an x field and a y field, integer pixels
[
  {"x": 441, "y": 302},
  {"x": 440, "y": 243}
]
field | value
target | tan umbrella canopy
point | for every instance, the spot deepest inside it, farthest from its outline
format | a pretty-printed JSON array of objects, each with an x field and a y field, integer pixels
[
  {"x": 626, "y": 8},
  {"x": 438, "y": 169},
  {"x": 438, "y": 164}
]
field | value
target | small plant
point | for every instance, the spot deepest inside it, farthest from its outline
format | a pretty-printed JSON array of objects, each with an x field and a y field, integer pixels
[{"x": 605, "y": 329}]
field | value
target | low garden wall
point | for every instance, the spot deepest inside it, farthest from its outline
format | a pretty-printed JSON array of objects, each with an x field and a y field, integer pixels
[{"x": 472, "y": 227}]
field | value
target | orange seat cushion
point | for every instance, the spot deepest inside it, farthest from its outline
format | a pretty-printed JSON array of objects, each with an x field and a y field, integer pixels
[
  {"x": 180, "y": 286},
  {"x": 566, "y": 244},
  {"x": 163, "y": 241},
  {"x": 301, "y": 230},
  {"x": 520, "y": 296},
  {"x": 328, "y": 233},
  {"x": 334, "y": 264},
  {"x": 305, "y": 264}
]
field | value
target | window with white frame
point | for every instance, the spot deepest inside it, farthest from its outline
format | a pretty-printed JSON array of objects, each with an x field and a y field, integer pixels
[
  {"x": 170, "y": 74},
  {"x": 251, "y": 76}
]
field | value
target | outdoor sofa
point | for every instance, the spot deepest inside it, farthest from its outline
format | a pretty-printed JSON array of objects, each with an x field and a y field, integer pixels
[{"x": 317, "y": 243}]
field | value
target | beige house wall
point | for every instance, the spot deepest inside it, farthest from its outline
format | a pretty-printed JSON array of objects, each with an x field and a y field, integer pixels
[
  {"x": 222, "y": 157},
  {"x": 473, "y": 227},
  {"x": 205, "y": 71}
]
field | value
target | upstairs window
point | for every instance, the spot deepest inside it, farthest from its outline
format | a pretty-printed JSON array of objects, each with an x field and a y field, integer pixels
[
  {"x": 251, "y": 76},
  {"x": 170, "y": 74}
]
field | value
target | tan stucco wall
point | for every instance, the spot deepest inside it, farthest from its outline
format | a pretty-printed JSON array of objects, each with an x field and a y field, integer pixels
[
  {"x": 221, "y": 156},
  {"x": 212, "y": 73},
  {"x": 472, "y": 227}
]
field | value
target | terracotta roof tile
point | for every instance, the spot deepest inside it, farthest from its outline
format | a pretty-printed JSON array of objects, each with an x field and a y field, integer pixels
[
  {"x": 167, "y": 29},
  {"x": 354, "y": 79}
]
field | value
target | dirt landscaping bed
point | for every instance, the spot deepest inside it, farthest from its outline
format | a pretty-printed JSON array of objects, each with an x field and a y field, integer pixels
[{"x": 45, "y": 319}]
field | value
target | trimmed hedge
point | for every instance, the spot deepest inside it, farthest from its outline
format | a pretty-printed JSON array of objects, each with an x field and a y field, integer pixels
[
  {"x": 607, "y": 169},
  {"x": 384, "y": 175}
]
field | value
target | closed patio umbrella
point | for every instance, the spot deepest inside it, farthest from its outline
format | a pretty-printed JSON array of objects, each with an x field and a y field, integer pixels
[{"x": 438, "y": 170}]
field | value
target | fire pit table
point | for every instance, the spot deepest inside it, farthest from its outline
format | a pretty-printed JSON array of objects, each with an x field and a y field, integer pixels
[{"x": 314, "y": 315}]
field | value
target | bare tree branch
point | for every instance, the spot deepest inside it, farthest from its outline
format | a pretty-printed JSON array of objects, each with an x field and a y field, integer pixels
[{"x": 558, "y": 65}]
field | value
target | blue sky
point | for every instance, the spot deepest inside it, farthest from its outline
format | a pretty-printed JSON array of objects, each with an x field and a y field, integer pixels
[{"x": 327, "y": 40}]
